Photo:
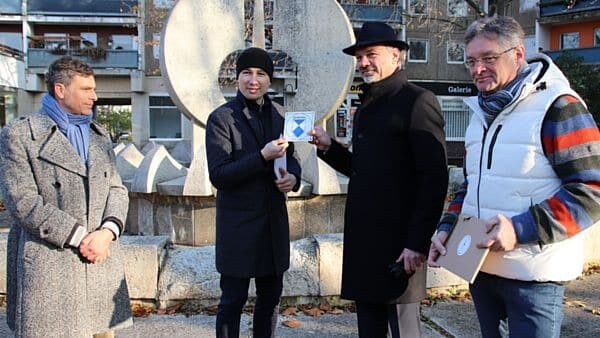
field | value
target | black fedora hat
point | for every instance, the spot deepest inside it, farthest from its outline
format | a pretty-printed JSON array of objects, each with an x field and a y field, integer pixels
[{"x": 375, "y": 33}]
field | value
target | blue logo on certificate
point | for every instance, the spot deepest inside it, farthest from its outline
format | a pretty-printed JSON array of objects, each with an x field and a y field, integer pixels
[{"x": 297, "y": 125}]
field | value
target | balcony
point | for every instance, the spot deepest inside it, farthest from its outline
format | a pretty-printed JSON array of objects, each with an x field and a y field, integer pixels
[
  {"x": 10, "y": 7},
  {"x": 590, "y": 55},
  {"x": 550, "y": 8},
  {"x": 84, "y": 8},
  {"x": 114, "y": 59},
  {"x": 392, "y": 14}
]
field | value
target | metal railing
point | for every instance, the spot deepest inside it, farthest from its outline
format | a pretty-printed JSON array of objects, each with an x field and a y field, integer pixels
[
  {"x": 365, "y": 12},
  {"x": 41, "y": 58},
  {"x": 590, "y": 55}
]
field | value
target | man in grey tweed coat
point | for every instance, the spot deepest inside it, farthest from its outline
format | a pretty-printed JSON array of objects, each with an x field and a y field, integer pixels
[{"x": 60, "y": 184}]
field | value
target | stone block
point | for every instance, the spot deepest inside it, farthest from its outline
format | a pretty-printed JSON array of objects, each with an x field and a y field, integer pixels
[
  {"x": 117, "y": 149},
  {"x": 296, "y": 217},
  {"x": 440, "y": 277},
  {"x": 317, "y": 215},
  {"x": 204, "y": 225},
  {"x": 305, "y": 190},
  {"x": 337, "y": 209},
  {"x": 131, "y": 224},
  {"x": 3, "y": 242},
  {"x": 142, "y": 257},
  {"x": 189, "y": 273},
  {"x": 330, "y": 249},
  {"x": 302, "y": 279},
  {"x": 128, "y": 161},
  {"x": 183, "y": 223},
  {"x": 182, "y": 152},
  {"x": 145, "y": 217},
  {"x": 164, "y": 222},
  {"x": 158, "y": 166}
]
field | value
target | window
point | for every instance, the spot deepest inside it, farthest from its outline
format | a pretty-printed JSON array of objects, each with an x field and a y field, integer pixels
[
  {"x": 569, "y": 40},
  {"x": 597, "y": 37},
  {"x": 508, "y": 8},
  {"x": 89, "y": 39},
  {"x": 156, "y": 45},
  {"x": 457, "y": 8},
  {"x": 125, "y": 42},
  {"x": 417, "y": 6},
  {"x": 165, "y": 118},
  {"x": 455, "y": 52},
  {"x": 418, "y": 50},
  {"x": 12, "y": 40},
  {"x": 164, "y": 3},
  {"x": 456, "y": 115}
]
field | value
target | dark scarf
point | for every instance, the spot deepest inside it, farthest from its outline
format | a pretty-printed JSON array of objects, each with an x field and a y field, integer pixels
[
  {"x": 75, "y": 127},
  {"x": 492, "y": 104}
]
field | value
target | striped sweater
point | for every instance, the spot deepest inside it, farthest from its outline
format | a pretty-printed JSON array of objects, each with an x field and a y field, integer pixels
[{"x": 567, "y": 129}]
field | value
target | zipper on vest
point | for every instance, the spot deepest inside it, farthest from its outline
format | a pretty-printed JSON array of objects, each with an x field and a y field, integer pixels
[
  {"x": 491, "y": 149},
  {"x": 480, "y": 165}
]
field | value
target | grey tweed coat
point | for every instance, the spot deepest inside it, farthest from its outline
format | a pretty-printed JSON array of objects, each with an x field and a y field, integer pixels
[{"x": 51, "y": 292}]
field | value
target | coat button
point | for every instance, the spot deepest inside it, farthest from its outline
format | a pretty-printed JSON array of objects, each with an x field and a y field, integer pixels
[
  {"x": 360, "y": 135},
  {"x": 56, "y": 184},
  {"x": 46, "y": 231}
]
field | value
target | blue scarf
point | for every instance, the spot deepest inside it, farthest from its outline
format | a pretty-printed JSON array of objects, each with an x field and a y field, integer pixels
[
  {"x": 492, "y": 104},
  {"x": 75, "y": 127}
]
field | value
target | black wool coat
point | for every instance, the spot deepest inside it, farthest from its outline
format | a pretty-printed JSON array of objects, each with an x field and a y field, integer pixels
[
  {"x": 398, "y": 181},
  {"x": 252, "y": 237}
]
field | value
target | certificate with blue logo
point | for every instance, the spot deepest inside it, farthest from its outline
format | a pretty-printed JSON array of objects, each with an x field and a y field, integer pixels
[{"x": 297, "y": 126}]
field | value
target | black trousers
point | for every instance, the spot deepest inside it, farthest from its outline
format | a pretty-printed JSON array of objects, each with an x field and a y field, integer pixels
[
  {"x": 374, "y": 319},
  {"x": 233, "y": 298}
]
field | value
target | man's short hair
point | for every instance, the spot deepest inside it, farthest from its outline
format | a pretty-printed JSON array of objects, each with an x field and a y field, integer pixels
[
  {"x": 503, "y": 29},
  {"x": 63, "y": 70}
]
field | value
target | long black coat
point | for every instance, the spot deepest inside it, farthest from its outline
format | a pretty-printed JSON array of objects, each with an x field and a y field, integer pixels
[
  {"x": 398, "y": 181},
  {"x": 252, "y": 223}
]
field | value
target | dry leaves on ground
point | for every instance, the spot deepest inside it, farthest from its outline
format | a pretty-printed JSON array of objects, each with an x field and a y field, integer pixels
[
  {"x": 142, "y": 310},
  {"x": 291, "y": 323},
  {"x": 170, "y": 310},
  {"x": 289, "y": 311},
  {"x": 313, "y": 312}
]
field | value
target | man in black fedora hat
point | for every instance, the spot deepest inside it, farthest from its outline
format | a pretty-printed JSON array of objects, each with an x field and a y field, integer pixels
[{"x": 398, "y": 181}]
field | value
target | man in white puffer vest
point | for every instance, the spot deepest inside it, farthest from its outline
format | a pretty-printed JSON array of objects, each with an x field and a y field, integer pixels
[{"x": 533, "y": 173}]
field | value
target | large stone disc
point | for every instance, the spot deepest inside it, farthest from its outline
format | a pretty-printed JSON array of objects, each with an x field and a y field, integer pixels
[{"x": 196, "y": 38}]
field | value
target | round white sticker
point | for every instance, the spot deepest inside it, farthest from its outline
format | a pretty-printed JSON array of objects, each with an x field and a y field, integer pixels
[{"x": 463, "y": 246}]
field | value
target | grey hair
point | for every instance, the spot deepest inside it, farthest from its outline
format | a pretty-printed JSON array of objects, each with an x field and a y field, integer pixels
[
  {"x": 63, "y": 70},
  {"x": 503, "y": 29}
]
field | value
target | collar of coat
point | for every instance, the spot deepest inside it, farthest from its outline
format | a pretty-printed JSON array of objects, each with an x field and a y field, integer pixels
[
  {"x": 394, "y": 82},
  {"x": 41, "y": 125}
]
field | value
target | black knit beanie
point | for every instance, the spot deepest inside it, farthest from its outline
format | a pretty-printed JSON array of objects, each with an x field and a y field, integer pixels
[{"x": 254, "y": 57}]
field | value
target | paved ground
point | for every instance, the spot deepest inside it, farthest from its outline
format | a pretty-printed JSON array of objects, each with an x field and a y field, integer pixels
[{"x": 444, "y": 319}]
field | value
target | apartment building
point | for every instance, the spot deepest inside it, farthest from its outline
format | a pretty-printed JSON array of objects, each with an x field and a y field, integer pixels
[
  {"x": 33, "y": 33},
  {"x": 573, "y": 26},
  {"x": 120, "y": 39}
]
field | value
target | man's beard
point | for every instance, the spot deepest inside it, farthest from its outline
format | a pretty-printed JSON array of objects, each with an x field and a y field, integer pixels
[{"x": 369, "y": 79}]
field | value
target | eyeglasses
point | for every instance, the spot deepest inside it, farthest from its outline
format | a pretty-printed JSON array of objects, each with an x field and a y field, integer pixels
[{"x": 489, "y": 60}]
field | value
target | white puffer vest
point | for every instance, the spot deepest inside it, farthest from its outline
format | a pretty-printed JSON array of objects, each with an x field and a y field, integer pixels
[{"x": 508, "y": 172}]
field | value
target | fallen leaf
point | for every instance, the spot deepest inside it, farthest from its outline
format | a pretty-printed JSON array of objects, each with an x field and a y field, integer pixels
[
  {"x": 171, "y": 310},
  {"x": 290, "y": 311},
  {"x": 596, "y": 311},
  {"x": 325, "y": 308},
  {"x": 313, "y": 312},
  {"x": 140, "y": 310},
  {"x": 211, "y": 310},
  {"x": 336, "y": 312},
  {"x": 291, "y": 323}
]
